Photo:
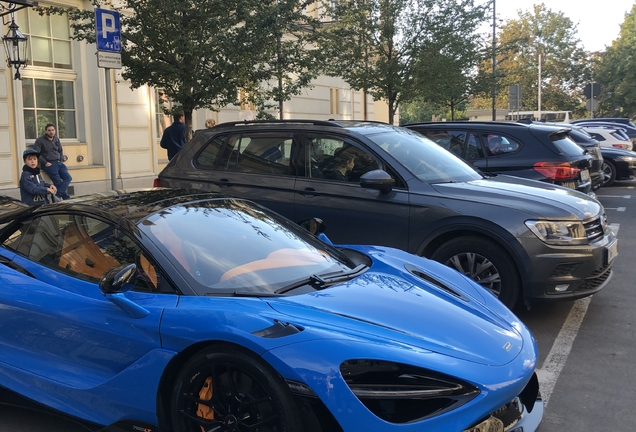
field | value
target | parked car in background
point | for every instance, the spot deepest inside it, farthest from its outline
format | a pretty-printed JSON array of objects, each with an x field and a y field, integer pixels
[
  {"x": 620, "y": 120},
  {"x": 536, "y": 151},
  {"x": 628, "y": 128},
  {"x": 618, "y": 164},
  {"x": 177, "y": 310},
  {"x": 521, "y": 239},
  {"x": 580, "y": 136},
  {"x": 608, "y": 137}
]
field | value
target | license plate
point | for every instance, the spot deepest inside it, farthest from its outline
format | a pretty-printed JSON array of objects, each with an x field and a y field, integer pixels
[
  {"x": 585, "y": 176},
  {"x": 612, "y": 252}
]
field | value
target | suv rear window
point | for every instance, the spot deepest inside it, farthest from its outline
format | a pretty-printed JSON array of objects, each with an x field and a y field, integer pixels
[{"x": 565, "y": 144}]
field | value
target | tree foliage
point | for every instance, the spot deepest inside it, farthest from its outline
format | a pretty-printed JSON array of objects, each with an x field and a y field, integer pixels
[
  {"x": 381, "y": 46},
  {"x": 565, "y": 66},
  {"x": 200, "y": 52},
  {"x": 616, "y": 72},
  {"x": 447, "y": 72},
  {"x": 289, "y": 60}
]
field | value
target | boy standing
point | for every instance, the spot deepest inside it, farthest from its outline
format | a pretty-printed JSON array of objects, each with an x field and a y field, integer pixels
[
  {"x": 52, "y": 159},
  {"x": 33, "y": 188}
]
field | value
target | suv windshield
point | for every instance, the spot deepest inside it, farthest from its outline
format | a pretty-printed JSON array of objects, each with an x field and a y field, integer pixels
[
  {"x": 234, "y": 247},
  {"x": 423, "y": 158}
]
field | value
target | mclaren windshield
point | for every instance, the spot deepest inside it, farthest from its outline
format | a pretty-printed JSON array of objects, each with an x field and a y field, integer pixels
[{"x": 235, "y": 247}]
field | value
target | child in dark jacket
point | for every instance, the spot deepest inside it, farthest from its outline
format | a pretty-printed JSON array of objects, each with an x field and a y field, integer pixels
[{"x": 33, "y": 188}]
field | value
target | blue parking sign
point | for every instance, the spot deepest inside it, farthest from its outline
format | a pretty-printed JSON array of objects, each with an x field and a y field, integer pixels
[{"x": 107, "y": 30}]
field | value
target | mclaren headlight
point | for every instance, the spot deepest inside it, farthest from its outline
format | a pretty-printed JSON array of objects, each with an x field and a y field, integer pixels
[
  {"x": 559, "y": 233},
  {"x": 399, "y": 393}
]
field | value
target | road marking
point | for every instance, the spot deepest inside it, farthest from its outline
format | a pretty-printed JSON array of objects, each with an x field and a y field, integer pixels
[
  {"x": 616, "y": 196},
  {"x": 558, "y": 355},
  {"x": 621, "y": 209},
  {"x": 614, "y": 227}
]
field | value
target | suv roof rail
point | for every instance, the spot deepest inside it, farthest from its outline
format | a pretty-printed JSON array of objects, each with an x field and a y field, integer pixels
[
  {"x": 468, "y": 122},
  {"x": 274, "y": 122}
]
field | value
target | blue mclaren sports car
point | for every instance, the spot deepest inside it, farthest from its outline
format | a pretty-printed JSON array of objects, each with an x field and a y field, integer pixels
[{"x": 182, "y": 311}]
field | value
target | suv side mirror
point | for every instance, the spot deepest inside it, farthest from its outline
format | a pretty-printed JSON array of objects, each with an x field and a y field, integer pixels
[
  {"x": 314, "y": 225},
  {"x": 378, "y": 180}
]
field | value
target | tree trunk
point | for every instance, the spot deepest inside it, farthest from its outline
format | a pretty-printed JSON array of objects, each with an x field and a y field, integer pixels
[{"x": 188, "y": 124}]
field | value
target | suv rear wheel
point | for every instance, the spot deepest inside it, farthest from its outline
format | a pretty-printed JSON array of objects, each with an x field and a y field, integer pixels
[{"x": 485, "y": 262}]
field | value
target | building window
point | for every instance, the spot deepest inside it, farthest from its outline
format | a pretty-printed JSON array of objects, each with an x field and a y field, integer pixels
[
  {"x": 162, "y": 119},
  {"x": 48, "y": 101},
  {"x": 246, "y": 104},
  {"x": 334, "y": 101},
  {"x": 49, "y": 41}
]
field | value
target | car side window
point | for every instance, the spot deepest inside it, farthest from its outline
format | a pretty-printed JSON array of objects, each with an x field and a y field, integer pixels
[
  {"x": 333, "y": 158},
  {"x": 499, "y": 144},
  {"x": 207, "y": 157},
  {"x": 257, "y": 152},
  {"x": 597, "y": 136},
  {"x": 474, "y": 149},
  {"x": 85, "y": 248},
  {"x": 451, "y": 140},
  {"x": 16, "y": 240}
]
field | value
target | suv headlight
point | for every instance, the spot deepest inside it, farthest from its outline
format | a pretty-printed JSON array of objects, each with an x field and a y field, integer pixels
[{"x": 558, "y": 232}]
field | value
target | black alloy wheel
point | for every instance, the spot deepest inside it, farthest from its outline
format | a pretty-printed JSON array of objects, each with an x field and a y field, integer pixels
[
  {"x": 484, "y": 262},
  {"x": 227, "y": 389},
  {"x": 609, "y": 173}
]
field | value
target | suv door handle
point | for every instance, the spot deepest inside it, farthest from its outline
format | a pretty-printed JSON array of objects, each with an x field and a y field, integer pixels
[
  {"x": 308, "y": 191},
  {"x": 223, "y": 183}
]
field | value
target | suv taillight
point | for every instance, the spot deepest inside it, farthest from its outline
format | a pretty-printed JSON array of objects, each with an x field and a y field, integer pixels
[
  {"x": 557, "y": 171},
  {"x": 156, "y": 183}
]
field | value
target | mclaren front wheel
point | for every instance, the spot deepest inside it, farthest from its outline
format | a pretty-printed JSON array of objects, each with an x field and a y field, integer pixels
[{"x": 227, "y": 389}]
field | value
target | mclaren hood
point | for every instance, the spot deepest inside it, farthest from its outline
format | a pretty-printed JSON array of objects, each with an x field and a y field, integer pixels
[{"x": 400, "y": 298}]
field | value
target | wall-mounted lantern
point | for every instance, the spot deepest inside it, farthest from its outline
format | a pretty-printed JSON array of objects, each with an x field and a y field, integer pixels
[{"x": 15, "y": 43}]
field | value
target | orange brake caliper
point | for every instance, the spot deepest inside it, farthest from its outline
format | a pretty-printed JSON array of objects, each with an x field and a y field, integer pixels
[{"x": 205, "y": 394}]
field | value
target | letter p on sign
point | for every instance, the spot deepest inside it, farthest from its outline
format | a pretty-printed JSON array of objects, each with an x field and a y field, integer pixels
[{"x": 107, "y": 30}]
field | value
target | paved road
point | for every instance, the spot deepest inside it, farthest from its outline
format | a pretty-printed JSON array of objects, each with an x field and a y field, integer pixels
[{"x": 587, "y": 347}]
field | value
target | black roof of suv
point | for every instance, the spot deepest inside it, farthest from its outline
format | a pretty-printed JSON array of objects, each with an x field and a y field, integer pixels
[
  {"x": 374, "y": 183},
  {"x": 535, "y": 151}
]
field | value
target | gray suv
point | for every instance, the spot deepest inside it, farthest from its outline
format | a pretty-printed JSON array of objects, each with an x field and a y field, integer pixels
[{"x": 378, "y": 184}]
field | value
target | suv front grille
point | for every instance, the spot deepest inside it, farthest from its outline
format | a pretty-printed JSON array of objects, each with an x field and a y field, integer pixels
[{"x": 595, "y": 229}]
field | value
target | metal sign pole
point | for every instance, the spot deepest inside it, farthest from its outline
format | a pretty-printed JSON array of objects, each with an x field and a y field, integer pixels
[
  {"x": 108, "y": 39},
  {"x": 111, "y": 141}
]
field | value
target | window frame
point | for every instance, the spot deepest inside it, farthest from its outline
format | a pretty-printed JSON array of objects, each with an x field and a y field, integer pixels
[
  {"x": 27, "y": 30},
  {"x": 56, "y": 110},
  {"x": 158, "y": 102}
]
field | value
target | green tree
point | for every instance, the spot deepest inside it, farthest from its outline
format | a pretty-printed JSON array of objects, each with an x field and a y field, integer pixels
[
  {"x": 422, "y": 111},
  {"x": 288, "y": 61},
  {"x": 378, "y": 45},
  {"x": 447, "y": 75},
  {"x": 616, "y": 72},
  {"x": 551, "y": 36},
  {"x": 199, "y": 52}
]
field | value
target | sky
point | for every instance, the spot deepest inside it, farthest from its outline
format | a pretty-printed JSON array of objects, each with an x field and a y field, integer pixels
[{"x": 598, "y": 21}]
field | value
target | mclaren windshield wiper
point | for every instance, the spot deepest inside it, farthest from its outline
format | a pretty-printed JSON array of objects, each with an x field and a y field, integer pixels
[
  {"x": 324, "y": 280},
  {"x": 240, "y": 294}
]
